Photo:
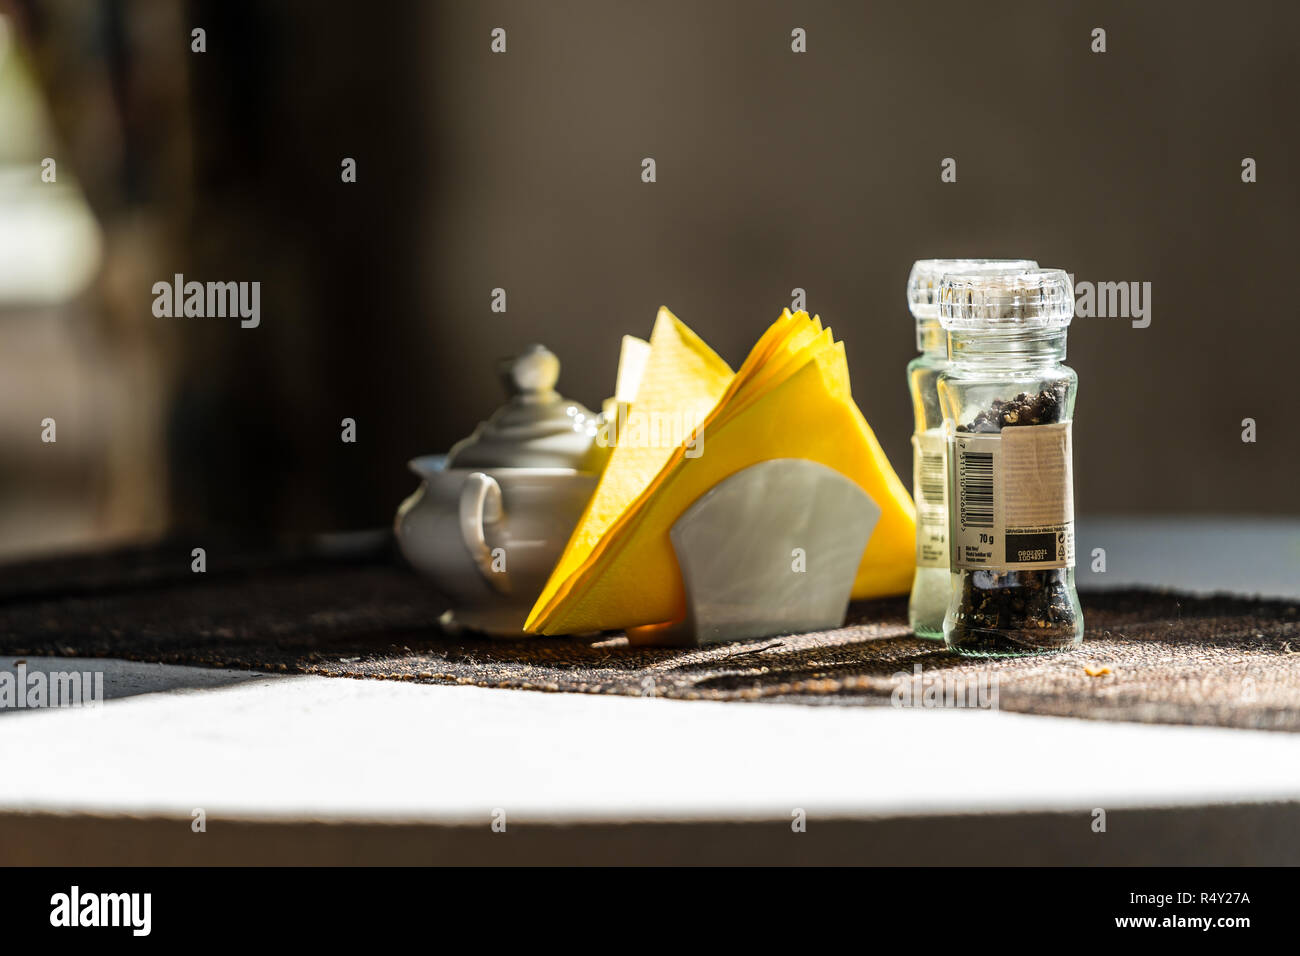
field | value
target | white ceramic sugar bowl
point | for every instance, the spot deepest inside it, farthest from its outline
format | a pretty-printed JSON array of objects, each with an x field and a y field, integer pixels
[{"x": 491, "y": 518}]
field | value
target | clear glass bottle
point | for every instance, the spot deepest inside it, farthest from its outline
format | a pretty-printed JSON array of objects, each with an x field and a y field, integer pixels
[
  {"x": 1008, "y": 403},
  {"x": 930, "y": 583}
]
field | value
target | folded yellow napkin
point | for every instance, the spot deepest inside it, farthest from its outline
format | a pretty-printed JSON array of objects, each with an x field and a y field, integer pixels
[{"x": 692, "y": 425}]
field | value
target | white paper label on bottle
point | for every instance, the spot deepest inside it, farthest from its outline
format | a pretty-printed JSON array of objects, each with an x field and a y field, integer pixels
[
  {"x": 1014, "y": 507},
  {"x": 930, "y": 489}
]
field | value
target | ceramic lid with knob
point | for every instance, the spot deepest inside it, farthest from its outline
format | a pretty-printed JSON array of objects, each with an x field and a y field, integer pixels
[{"x": 537, "y": 427}]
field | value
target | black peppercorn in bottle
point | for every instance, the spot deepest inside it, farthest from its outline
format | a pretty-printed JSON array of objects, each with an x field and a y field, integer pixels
[{"x": 1008, "y": 403}]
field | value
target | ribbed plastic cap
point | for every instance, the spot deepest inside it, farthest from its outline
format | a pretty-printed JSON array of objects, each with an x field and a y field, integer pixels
[
  {"x": 1026, "y": 300},
  {"x": 923, "y": 283}
]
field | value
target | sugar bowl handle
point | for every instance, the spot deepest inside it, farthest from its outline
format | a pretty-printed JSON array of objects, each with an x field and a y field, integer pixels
[{"x": 480, "y": 506}]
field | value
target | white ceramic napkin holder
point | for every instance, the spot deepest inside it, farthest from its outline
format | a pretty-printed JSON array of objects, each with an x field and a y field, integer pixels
[{"x": 771, "y": 550}]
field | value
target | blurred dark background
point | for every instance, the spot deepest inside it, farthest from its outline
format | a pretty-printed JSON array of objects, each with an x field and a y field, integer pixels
[{"x": 522, "y": 170}]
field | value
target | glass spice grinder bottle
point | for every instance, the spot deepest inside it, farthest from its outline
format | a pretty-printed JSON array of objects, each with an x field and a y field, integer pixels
[
  {"x": 930, "y": 583},
  {"x": 1008, "y": 402}
]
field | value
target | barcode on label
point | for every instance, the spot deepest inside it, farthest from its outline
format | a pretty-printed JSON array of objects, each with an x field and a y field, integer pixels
[
  {"x": 932, "y": 478},
  {"x": 976, "y": 474}
]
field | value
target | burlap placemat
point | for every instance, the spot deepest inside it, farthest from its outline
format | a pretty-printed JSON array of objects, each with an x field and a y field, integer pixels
[{"x": 1149, "y": 656}]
